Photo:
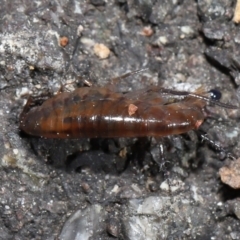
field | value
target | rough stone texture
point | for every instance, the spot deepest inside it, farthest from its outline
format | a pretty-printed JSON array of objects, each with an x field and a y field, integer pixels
[
  {"x": 230, "y": 175},
  {"x": 55, "y": 188}
]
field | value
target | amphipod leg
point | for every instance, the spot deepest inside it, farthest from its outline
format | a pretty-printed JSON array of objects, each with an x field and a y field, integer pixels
[{"x": 204, "y": 137}]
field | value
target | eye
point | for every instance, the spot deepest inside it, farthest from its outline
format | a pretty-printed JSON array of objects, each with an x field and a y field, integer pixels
[{"x": 215, "y": 94}]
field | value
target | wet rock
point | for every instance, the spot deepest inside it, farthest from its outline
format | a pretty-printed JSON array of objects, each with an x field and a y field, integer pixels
[
  {"x": 159, "y": 212},
  {"x": 210, "y": 10},
  {"x": 215, "y": 31},
  {"x": 35, "y": 49},
  {"x": 113, "y": 227},
  {"x": 233, "y": 207},
  {"x": 84, "y": 224},
  {"x": 220, "y": 57},
  {"x": 160, "y": 11}
]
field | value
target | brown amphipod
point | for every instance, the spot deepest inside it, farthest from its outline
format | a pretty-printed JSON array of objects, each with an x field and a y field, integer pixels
[{"x": 100, "y": 112}]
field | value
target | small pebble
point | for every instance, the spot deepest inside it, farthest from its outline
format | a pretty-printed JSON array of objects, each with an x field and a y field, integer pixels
[
  {"x": 101, "y": 50},
  {"x": 63, "y": 41}
]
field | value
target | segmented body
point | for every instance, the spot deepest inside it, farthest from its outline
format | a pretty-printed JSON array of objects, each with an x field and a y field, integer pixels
[{"x": 100, "y": 112}]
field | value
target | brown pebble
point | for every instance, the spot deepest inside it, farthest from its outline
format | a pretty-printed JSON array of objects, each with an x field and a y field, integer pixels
[
  {"x": 85, "y": 187},
  {"x": 112, "y": 227},
  {"x": 236, "y": 17},
  {"x": 101, "y": 50},
  {"x": 147, "y": 31},
  {"x": 230, "y": 175},
  {"x": 63, "y": 41}
]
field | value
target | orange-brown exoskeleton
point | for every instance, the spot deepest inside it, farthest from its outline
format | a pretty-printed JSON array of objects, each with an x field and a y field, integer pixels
[{"x": 100, "y": 112}]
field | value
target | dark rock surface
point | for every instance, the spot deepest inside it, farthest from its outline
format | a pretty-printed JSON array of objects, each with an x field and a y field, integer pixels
[{"x": 106, "y": 189}]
